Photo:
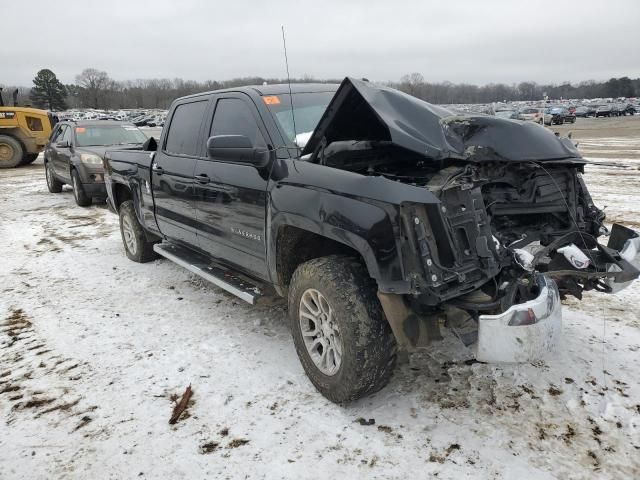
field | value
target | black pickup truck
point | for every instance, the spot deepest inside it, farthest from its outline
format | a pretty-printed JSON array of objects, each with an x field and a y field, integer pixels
[{"x": 380, "y": 217}]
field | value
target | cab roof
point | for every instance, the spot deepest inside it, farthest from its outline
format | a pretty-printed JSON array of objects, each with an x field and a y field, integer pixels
[
  {"x": 281, "y": 88},
  {"x": 275, "y": 89}
]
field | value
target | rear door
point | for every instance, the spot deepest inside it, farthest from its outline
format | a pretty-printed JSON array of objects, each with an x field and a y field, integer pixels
[
  {"x": 173, "y": 169},
  {"x": 231, "y": 197}
]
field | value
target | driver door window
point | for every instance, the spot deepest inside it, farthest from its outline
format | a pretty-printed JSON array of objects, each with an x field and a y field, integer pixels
[
  {"x": 58, "y": 134},
  {"x": 234, "y": 117}
]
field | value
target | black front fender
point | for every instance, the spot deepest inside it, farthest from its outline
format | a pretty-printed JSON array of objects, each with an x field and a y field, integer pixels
[{"x": 371, "y": 229}]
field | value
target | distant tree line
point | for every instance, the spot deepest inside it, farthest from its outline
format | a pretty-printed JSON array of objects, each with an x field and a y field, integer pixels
[
  {"x": 95, "y": 89},
  {"x": 448, "y": 93}
]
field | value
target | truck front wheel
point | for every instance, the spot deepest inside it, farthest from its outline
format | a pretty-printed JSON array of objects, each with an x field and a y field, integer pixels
[
  {"x": 342, "y": 338},
  {"x": 135, "y": 241}
]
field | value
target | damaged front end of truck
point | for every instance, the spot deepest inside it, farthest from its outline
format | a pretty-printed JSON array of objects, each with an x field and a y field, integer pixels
[{"x": 513, "y": 232}]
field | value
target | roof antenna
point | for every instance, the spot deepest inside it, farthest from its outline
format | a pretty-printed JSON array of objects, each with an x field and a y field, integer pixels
[{"x": 293, "y": 115}]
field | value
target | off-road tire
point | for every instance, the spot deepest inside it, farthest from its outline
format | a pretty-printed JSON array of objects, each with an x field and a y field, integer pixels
[
  {"x": 29, "y": 158},
  {"x": 142, "y": 251},
  {"x": 53, "y": 184},
  {"x": 82, "y": 199},
  {"x": 11, "y": 152},
  {"x": 368, "y": 345}
]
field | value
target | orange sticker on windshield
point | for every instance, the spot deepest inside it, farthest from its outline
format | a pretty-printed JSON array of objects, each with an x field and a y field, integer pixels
[
  {"x": 80, "y": 129},
  {"x": 271, "y": 100}
]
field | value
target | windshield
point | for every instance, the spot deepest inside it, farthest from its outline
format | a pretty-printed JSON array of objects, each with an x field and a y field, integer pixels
[
  {"x": 99, "y": 135},
  {"x": 308, "y": 108}
]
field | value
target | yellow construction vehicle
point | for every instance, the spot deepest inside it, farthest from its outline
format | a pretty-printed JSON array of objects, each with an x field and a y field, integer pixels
[{"x": 23, "y": 134}]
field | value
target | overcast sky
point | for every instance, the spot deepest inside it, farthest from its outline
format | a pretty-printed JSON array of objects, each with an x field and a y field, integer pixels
[{"x": 474, "y": 41}]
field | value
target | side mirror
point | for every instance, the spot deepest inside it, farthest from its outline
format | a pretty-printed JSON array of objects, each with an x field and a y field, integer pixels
[
  {"x": 63, "y": 144},
  {"x": 150, "y": 145},
  {"x": 237, "y": 149}
]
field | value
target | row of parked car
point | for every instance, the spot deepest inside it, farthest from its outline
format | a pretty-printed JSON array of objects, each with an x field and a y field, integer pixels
[
  {"x": 150, "y": 120},
  {"x": 608, "y": 110},
  {"x": 556, "y": 115},
  {"x": 140, "y": 118},
  {"x": 559, "y": 114}
]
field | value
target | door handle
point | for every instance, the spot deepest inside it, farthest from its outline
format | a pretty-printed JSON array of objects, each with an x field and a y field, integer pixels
[
  {"x": 157, "y": 169},
  {"x": 203, "y": 179}
]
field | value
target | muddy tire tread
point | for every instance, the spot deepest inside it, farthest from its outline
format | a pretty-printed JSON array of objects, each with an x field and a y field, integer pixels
[{"x": 369, "y": 348}]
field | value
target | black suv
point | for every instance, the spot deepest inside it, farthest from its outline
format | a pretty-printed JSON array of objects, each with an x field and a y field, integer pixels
[{"x": 73, "y": 155}]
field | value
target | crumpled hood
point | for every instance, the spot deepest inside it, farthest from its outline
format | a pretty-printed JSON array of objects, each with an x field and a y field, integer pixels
[{"x": 363, "y": 111}]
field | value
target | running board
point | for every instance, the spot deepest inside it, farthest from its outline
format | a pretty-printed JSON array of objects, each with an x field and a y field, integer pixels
[{"x": 203, "y": 267}]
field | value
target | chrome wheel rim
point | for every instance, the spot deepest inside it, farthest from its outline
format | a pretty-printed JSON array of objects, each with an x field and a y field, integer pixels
[
  {"x": 128, "y": 236},
  {"x": 320, "y": 332}
]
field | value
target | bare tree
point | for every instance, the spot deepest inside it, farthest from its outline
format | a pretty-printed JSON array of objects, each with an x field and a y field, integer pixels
[
  {"x": 413, "y": 84},
  {"x": 95, "y": 85}
]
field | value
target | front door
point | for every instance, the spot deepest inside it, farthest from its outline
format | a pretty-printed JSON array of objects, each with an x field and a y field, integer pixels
[
  {"x": 63, "y": 155},
  {"x": 50, "y": 151},
  {"x": 231, "y": 198},
  {"x": 173, "y": 169}
]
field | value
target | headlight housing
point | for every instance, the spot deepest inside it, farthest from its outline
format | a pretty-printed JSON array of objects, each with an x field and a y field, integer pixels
[{"x": 90, "y": 159}]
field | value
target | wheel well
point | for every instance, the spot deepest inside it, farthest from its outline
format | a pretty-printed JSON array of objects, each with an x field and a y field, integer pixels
[
  {"x": 121, "y": 194},
  {"x": 295, "y": 246}
]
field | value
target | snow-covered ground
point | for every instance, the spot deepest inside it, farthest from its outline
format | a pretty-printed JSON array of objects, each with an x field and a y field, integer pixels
[{"x": 93, "y": 347}]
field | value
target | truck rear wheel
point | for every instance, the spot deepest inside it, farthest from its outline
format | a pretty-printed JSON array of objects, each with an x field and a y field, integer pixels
[
  {"x": 342, "y": 338},
  {"x": 134, "y": 239},
  {"x": 10, "y": 152}
]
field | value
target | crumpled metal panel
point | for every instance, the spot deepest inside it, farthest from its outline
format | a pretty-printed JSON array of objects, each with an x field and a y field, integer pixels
[{"x": 364, "y": 111}]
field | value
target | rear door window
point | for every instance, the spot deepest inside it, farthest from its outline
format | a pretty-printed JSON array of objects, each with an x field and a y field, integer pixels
[
  {"x": 234, "y": 117},
  {"x": 184, "y": 130}
]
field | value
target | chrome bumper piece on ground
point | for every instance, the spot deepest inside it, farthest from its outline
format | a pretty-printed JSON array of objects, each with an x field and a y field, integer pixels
[{"x": 526, "y": 331}]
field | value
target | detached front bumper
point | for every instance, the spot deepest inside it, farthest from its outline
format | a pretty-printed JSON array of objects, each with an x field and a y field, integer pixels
[
  {"x": 525, "y": 332},
  {"x": 630, "y": 253}
]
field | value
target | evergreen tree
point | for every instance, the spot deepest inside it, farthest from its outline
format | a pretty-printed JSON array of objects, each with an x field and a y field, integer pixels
[{"x": 48, "y": 92}]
